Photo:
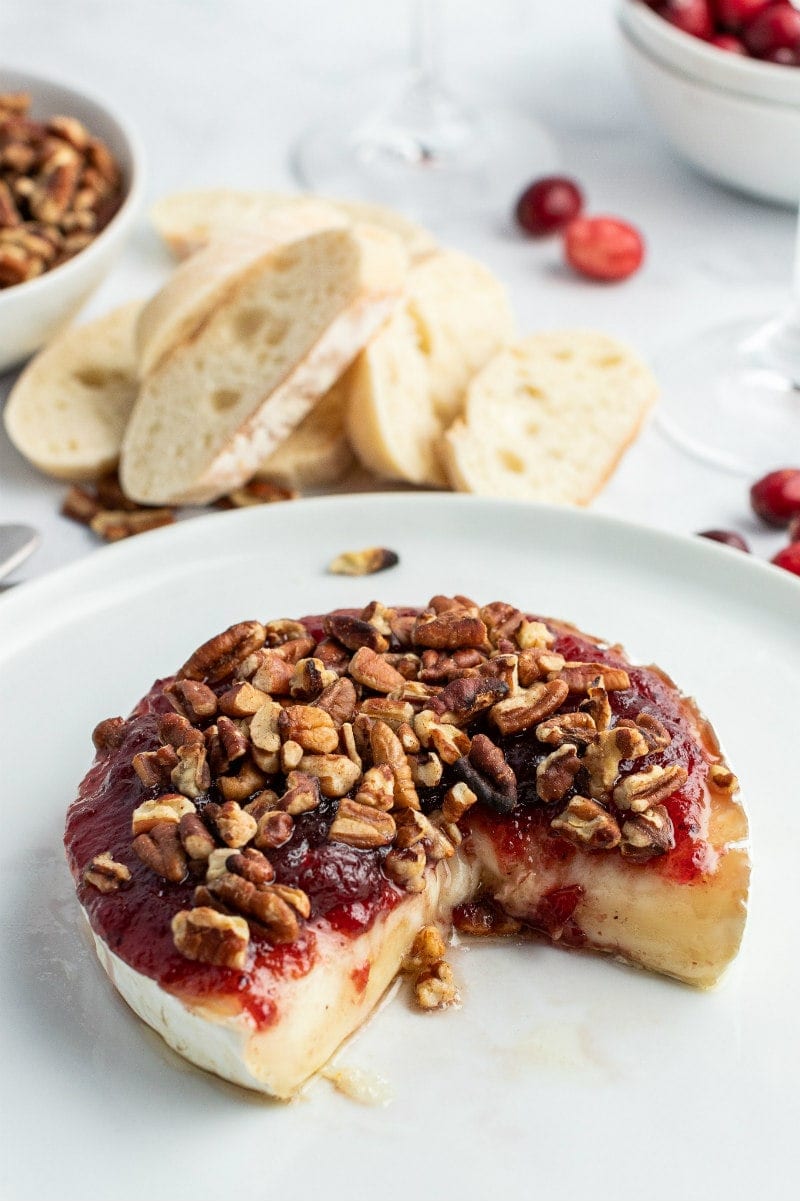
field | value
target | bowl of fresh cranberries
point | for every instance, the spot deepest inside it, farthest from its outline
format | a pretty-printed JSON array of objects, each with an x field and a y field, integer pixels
[{"x": 721, "y": 79}]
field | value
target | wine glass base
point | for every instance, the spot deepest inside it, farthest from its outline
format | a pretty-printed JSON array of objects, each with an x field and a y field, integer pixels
[
  {"x": 461, "y": 165},
  {"x": 728, "y": 401}
]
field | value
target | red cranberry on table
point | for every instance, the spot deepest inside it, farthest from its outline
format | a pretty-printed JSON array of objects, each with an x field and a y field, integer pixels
[
  {"x": 727, "y": 538},
  {"x": 548, "y": 204},
  {"x": 776, "y": 497},
  {"x": 603, "y": 247},
  {"x": 692, "y": 16},
  {"x": 789, "y": 558},
  {"x": 734, "y": 14},
  {"x": 776, "y": 28}
]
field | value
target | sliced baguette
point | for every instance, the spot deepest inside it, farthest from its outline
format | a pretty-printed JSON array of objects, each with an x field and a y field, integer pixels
[
  {"x": 187, "y": 221},
  {"x": 67, "y": 411},
  {"x": 317, "y": 452},
  {"x": 176, "y": 312},
  {"x": 288, "y": 324},
  {"x": 409, "y": 383},
  {"x": 549, "y": 418}
]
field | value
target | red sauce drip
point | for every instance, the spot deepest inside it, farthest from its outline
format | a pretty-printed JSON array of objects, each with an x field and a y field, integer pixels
[
  {"x": 360, "y": 977},
  {"x": 347, "y": 887}
]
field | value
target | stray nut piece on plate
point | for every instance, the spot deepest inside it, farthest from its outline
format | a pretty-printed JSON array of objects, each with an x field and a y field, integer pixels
[{"x": 363, "y": 562}]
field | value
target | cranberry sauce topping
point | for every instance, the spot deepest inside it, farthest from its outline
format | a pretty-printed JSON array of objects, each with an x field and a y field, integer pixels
[
  {"x": 346, "y": 887},
  {"x": 650, "y": 692}
]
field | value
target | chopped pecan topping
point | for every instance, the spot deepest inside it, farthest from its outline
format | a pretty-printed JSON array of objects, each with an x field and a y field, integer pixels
[
  {"x": 251, "y": 865},
  {"x": 408, "y": 738},
  {"x": 302, "y": 794},
  {"x": 217, "y": 659},
  {"x": 264, "y": 729},
  {"x": 109, "y": 735},
  {"x": 426, "y": 949},
  {"x": 334, "y": 656},
  {"x": 207, "y": 936},
  {"x": 361, "y": 825},
  {"x": 296, "y": 649},
  {"x": 242, "y": 700},
  {"x": 538, "y": 664},
  {"x": 234, "y": 742},
  {"x": 376, "y": 787},
  {"x": 240, "y": 787},
  {"x": 461, "y": 700},
  {"x": 579, "y": 677},
  {"x": 387, "y": 748},
  {"x": 291, "y": 754},
  {"x": 235, "y": 826},
  {"x": 491, "y": 763},
  {"x": 195, "y": 838},
  {"x": 426, "y": 769},
  {"x": 382, "y": 708},
  {"x": 406, "y": 867},
  {"x": 588, "y": 825},
  {"x": 556, "y": 773},
  {"x": 578, "y": 728},
  {"x": 154, "y": 768},
  {"x": 275, "y": 828},
  {"x": 722, "y": 779},
  {"x": 309, "y": 726},
  {"x": 193, "y": 699},
  {"x": 449, "y": 742},
  {"x": 177, "y": 731},
  {"x": 597, "y": 705},
  {"x": 168, "y": 808},
  {"x": 260, "y": 902},
  {"x": 191, "y": 775},
  {"x": 528, "y": 708},
  {"x": 485, "y": 919},
  {"x": 533, "y": 635},
  {"x": 371, "y": 670},
  {"x": 406, "y": 663},
  {"x": 655, "y": 732},
  {"x": 105, "y": 874},
  {"x": 336, "y": 773},
  {"x": 457, "y": 800},
  {"x": 645, "y": 788},
  {"x": 604, "y": 755},
  {"x": 450, "y": 630},
  {"x": 283, "y": 629},
  {"x": 354, "y": 632},
  {"x": 363, "y": 562},
  {"x": 647, "y": 834},
  {"x": 273, "y": 675},
  {"x": 435, "y": 987},
  {"x": 309, "y": 678},
  {"x": 295, "y": 897},
  {"x": 160, "y": 850},
  {"x": 501, "y": 620},
  {"x": 217, "y": 864},
  {"x": 339, "y": 699}
]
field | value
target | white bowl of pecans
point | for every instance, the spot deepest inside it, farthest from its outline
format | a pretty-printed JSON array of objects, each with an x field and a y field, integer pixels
[{"x": 71, "y": 176}]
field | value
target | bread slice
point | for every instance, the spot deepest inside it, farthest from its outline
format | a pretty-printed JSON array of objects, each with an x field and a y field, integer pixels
[
  {"x": 176, "y": 312},
  {"x": 67, "y": 411},
  {"x": 189, "y": 220},
  {"x": 292, "y": 318},
  {"x": 317, "y": 452},
  {"x": 409, "y": 383},
  {"x": 549, "y": 418}
]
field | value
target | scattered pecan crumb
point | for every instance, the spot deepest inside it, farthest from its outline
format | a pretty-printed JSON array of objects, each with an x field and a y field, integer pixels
[
  {"x": 105, "y": 874},
  {"x": 257, "y": 492},
  {"x": 363, "y": 562}
]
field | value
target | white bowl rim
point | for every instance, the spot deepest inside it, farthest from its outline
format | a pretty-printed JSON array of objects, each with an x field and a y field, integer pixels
[
  {"x": 703, "y": 84},
  {"x": 756, "y": 68},
  {"x": 123, "y": 214}
]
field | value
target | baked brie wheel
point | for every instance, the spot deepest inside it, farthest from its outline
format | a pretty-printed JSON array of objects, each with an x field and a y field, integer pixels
[{"x": 306, "y": 808}]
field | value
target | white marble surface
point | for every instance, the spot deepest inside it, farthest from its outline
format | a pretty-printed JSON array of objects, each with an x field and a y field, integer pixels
[{"x": 221, "y": 88}]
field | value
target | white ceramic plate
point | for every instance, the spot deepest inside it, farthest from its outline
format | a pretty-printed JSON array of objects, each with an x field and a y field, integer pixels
[{"x": 563, "y": 1075}]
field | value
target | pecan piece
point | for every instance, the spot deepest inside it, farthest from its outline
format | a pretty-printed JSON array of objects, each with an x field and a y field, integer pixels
[
  {"x": 643, "y": 789},
  {"x": 586, "y": 824},
  {"x": 354, "y": 632},
  {"x": 219, "y": 656},
  {"x": 426, "y": 949},
  {"x": 655, "y": 732},
  {"x": 295, "y": 897},
  {"x": 207, "y": 936},
  {"x": 460, "y": 700},
  {"x": 191, "y": 775},
  {"x": 485, "y": 919},
  {"x": 109, "y": 735},
  {"x": 604, "y": 755},
  {"x": 154, "y": 768},
  {"x": 242, "y": 700},
  {"x": 387, "y": 748},
  {"x": 406, "y": 867},
  {"x": 275, "y": 828},
  {"x": 722, "y": 779},
  {"x": 452, "y": 630},
  {"x": 105, "y": 874},
  {"x": 488, "y": 774},
  {"x": 426, "y": 769},
  {"x": 192, "y": 699},
  {"x": 338, "y": 699},
  {"x": 251, "y": 865},
  {"x": 383, "y": 708},
  {"x": 449, "y": 742},
  {"x": 168, "y": 808},
  {"x": 579, "y": 677},
  {"x": 257, "y": 492},
  {"x": 363, "y": 562},
  {"x": 647, "y": 834},
  {"x": 578, "y": 728},
  {"x": 80, "y": 505},
  {"x": 115, "y": 524},
  {"x": 369, "y": 669},
  {"x": 528, "y": 708},
  {"x": 235, "y": 826},
  {"x": 361, "y": 826},
  {"x": 335, "y": 656},
  {"x": 313, "y": 728},
  {"x": 273, "y": 675},
  {"x": 160, "y": 850},
  {"x": 537, "y": 665},
  {"x": 556, "y": 773},
  {"x": 296, "y": 649},
  {"x": 248, "y": 779},
  {"x": 234, "y": 743},
  {"x": 597, "y": 705},
  {"x": 302, "y": 794},
  {"x": 264, "y": 730},
  {"x": 533, "y": 635},
  {"x": 261, "y": 903},
  {"x": 283, "y": 629},
  {"x": 177, "y": 731},
  {"x": 435, "y": 987},
  {"x": 336, "y": 773},
  {"x": 309, "y": 678},
  {"x": 195, "y": 838},
  {"x": 457, "y": 800}
]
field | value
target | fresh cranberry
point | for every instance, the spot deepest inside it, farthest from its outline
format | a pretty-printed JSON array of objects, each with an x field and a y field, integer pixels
[
  {"x": 789, "y": 558},
  {"x": 727, "y": 537},
  {"x": 603, "y": 247},
  {"x": 692, "y": 16},
  {"x": 727, "y": 41},
  {"x": 548, "y": 204},
  {"x": 777, "y": 27},
  {"x": 734, "y": 14},
  {"x": 776, "y": 497}
]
